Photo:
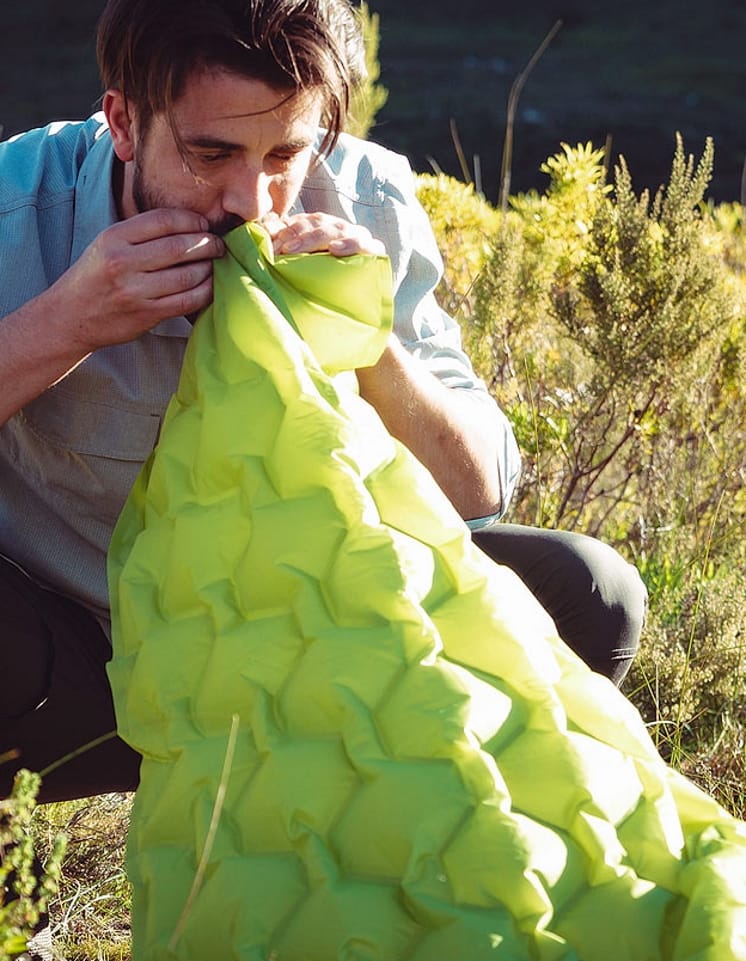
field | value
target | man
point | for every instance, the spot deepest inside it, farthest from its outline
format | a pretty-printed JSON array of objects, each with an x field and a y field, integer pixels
[{"x": 108, "y": 231}]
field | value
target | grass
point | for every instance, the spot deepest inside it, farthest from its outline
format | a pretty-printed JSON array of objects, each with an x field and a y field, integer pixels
[{"x": 90, "y": 917}]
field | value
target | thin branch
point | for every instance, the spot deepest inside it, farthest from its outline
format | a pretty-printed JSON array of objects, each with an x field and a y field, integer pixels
[
  {"x": 465, "y": 172},
  {"x": 515, "y": 93},
  {"x": 109, "y": 736}
]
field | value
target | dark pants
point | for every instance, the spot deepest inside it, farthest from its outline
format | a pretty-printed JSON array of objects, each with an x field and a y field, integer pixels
[
  {"x": 597, "y": 600},
  {"x": 55, "y": 697}
]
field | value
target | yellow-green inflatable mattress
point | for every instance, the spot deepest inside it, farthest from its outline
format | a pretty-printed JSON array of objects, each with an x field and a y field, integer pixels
[{"x": 363, "y": 740}]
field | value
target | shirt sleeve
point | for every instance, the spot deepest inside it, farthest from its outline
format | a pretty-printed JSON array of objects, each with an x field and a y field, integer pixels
[{"x": 372, "y": 186}]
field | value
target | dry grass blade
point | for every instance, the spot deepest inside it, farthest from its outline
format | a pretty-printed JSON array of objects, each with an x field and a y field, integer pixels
[{"x": 211, "y": 832}]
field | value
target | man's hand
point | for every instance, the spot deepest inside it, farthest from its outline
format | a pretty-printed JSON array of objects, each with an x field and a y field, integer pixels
[
  {"x": 311, "y": 233},
  {"x": 135, "y": 274},
  {"x": 440, "y": 426}
]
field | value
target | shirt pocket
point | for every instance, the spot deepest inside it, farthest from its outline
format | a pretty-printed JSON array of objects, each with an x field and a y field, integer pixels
[
  {"x": 71, "y": 423},
  {"x": 82, "y": 457}
]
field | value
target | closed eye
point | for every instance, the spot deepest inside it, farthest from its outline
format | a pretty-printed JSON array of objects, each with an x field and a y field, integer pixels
[
  {"x": 284, "y": 160},
  {"x": 214, "y": 157}
]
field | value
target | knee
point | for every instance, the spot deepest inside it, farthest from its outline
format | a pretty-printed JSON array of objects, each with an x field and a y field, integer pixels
[
  {"x": 616, "y": 585},
  {"x": 615, "y": 602}
]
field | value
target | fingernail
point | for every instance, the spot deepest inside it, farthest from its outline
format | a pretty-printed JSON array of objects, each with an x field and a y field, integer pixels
[{"x": 199, "y": 245}]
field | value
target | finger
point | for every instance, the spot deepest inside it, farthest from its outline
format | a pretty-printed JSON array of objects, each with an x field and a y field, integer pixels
[
  {"x": 273, "y": 224},
  {"x": 179, "y": 279},
  {"x": 347, "y": 246},
  {"x": 164, "y": 252},
  {"x": 162, "y": 223},
  {"x": 307, "y": 238},
  {"x": 185, "y": 302},
  {"x": 305, "y": 233}
]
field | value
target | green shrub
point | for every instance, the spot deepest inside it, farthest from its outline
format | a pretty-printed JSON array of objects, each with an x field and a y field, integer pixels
[
  {"x": 24, "y": 897},
  {"x": 611, "y": 328},
  {"x": 647, "y": 289},
  {"x": 689, "y": 679},
  {"x": 591, "y": 318}
]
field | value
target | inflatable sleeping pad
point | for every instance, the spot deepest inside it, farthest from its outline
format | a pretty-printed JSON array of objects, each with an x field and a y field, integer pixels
[{"x": 363, "y": 740}]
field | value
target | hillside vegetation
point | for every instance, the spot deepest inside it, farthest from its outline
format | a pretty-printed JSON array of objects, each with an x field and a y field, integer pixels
[{"x": 611, "y": 327}]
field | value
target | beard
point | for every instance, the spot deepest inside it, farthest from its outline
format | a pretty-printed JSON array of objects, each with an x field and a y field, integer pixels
[{"x": 147, "y": 198}]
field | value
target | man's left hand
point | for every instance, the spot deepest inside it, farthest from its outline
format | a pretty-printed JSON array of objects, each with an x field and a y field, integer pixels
[{"x": 311, "y": 233}]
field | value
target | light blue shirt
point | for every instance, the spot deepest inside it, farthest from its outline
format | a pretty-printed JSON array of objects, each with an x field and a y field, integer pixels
[{"x": 70, "y": 457}]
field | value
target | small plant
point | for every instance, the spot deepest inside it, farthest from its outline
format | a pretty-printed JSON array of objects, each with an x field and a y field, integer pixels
[
  {"x": 370, "y": 96},
  {"x": 24, "y": 895},
  {"x": 648, "y": 289},
  {"x": 689, "y": 680}
]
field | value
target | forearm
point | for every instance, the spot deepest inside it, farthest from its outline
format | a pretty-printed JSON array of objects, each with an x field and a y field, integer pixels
[
  {"x": 135, "y": 274},
  {"x": 35, "y": 352},
  {"x": 440, "y": 426}
]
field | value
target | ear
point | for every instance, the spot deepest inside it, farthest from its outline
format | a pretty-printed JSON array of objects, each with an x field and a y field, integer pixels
[{"x": 121, "y": 126}]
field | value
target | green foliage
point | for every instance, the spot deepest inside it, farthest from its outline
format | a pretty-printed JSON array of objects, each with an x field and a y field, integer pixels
[
  {"x": 689, "y": 680},
  {"x": 464, "y": 223},
  {"x": 24, "y": 897},
  {"x": 91, "y": 910},
  {"x": 611, "y": 328},
  {"x": 370, "y": 96},
  {"x": 558, "y": 221},
  {"x": 647, "y": 288},
  {"x": 593, "y": 312}
]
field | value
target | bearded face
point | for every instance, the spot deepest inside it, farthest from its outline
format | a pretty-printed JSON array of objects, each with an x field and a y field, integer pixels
[{"x": 244, "y": 151}]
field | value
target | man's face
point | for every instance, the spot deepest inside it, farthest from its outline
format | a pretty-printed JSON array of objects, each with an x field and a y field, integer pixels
[{"x": 248, "y": 149}]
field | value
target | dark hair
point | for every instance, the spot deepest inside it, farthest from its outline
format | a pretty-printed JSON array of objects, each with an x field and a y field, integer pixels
[{"x": 148, "y": 49}]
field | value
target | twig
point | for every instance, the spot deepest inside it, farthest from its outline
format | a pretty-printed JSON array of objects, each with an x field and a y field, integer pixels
[
  {"x": 434, "y": 164},
  {"x": 478, "y": 175},
  {"x": 515, "y": 92},
  {"x": 465, "y": 172}
]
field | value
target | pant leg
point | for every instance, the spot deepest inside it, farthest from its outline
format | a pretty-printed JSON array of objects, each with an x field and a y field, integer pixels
[
  {"x": 596, "y": 599},
  {"x": 55, "y": 695}
]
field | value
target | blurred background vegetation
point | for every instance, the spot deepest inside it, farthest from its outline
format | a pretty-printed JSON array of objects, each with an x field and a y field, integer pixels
[{"x": 635, "y": 72}]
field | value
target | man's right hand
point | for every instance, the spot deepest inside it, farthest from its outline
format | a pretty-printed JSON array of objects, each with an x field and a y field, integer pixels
[{"x": 135, "y": 274}]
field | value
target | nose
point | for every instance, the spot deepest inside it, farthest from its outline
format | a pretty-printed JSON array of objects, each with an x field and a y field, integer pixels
[{"x": 248, "y": 195}]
